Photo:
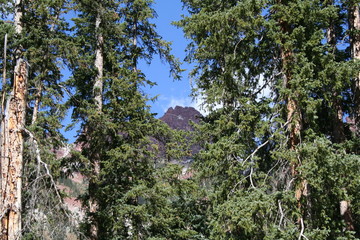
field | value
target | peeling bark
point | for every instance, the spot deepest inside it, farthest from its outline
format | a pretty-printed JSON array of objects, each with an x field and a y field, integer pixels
[
  {"x": 12, "y": 156},
  {"x": 293, "y": 111},
  {"x": 12, "y": 145}
]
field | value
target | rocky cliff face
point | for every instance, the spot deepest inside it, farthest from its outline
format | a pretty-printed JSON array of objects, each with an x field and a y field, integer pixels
[{"x": 179, "y": 117}]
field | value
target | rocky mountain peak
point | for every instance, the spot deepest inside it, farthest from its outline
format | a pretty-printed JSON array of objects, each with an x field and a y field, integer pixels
[{"x": 179, "y": 117}]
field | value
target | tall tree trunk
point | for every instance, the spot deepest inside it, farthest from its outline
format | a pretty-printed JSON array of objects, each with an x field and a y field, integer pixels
[
  {"x": 4, "y": 77},
  {"x": 338, "y": 125},
  {"x": 12, "y": 155},
  {"x": 98, "y": 95},
  {"x": 12, "y": 145},
  {"x": 293, "y": 117},
  {"x": 36, "y": 105},
  {"x": 99, "y": 65},
  {"x": 3, "y": 96},
  {"x": 354, "y": 24},
  {"x": 135, "y": 59}
]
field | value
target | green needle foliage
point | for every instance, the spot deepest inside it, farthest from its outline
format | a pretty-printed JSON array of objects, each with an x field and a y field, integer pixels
[
  {"x": 134, "y": 197},
  {"x": 42, "y": 44},
  {"x": 256, "y": 62},
  {"x": 279, "y": 154}
]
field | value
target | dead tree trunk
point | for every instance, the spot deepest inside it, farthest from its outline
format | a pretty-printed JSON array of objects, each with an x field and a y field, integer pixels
[
  {"x": 12, "y": 145},
  {"x": 12, "y": 156}
]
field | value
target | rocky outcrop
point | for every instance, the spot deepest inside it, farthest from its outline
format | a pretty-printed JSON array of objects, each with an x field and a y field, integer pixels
[{"x": 179, "y": 118}]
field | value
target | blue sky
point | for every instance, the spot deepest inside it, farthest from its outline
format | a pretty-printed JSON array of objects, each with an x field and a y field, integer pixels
[{"x": 171, "y": 93}]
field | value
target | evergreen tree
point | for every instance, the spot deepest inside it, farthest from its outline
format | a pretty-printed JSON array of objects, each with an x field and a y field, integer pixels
[
  {"x": 264, "y": 156},
  {"x": 47, "y": 48},
  {"x": 40, "y": 44},
  {"x": 354, "y": 27},
  {"x": 118, "y": 150}
]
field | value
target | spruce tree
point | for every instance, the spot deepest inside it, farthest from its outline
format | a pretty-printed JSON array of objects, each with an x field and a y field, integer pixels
[
  {"x": 41, "y": 45},
  {"x": 47, "y": 48},
  {"x": 354, "y": 27},
  {"x": 118, "y": 154},
  {"x": 271, "y": 160}
]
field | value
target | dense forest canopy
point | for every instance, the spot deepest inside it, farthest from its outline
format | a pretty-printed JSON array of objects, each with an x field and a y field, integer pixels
[{"x": 277, "y": 155}]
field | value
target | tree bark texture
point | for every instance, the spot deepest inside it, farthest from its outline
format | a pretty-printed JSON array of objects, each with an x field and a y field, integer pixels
[
  {"x": 99, "y": 64},
  {"x": 12, "y": 144},
  {"x": 12, "y": 156},
  {"x": 4, "y": 76}
]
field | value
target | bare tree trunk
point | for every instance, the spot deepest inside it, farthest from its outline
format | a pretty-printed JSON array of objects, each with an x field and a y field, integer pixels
[
  {"x": 36, "y": 105},
  {"x": 3, "y": 96},
  {"x": 12, "y": 146},
  {"x": 12, "y": 156},
  {"x": 99, "y": 65},
  {"x": 4, "y": 76},
  {"x": 135, "y": 28},
  {"x": 98, "y": 95}
]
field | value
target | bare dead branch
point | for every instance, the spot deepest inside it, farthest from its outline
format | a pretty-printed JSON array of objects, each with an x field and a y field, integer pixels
[
  {"x": 40, "y": 162},
  {"x": 281, "y": 214},
  {"x": 301, "y": 235}
]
